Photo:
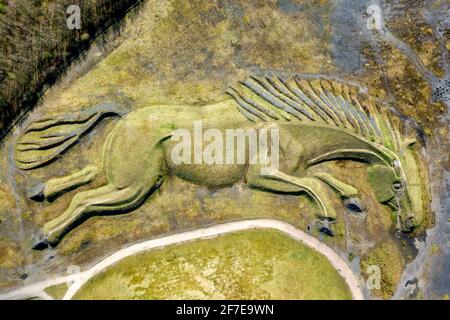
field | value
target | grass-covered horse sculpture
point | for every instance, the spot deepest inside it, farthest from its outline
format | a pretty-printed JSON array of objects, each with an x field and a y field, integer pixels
[{"x": 318, "y": 121}]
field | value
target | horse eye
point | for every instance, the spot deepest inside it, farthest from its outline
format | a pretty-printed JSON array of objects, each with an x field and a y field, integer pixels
[{"x": 397, "y": 186}]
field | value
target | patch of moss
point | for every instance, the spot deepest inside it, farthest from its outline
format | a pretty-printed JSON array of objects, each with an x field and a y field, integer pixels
[
  {"x": 435, "y": 250},
  {"x": 10, "y": 255},
  {"x": 6, "y": 198},
  {"x": 58, "y": 291},
  {"x": 387, "y": 256},
  {"x": 339, "y": 229}
]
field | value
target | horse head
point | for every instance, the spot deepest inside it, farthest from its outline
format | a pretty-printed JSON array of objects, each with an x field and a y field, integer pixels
[{"x": 401, "y": 186}]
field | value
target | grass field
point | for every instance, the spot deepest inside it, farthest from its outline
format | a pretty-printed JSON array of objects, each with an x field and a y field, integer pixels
[{"x": 256, "y": 264}]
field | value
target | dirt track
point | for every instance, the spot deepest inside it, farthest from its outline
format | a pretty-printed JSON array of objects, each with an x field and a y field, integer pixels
[{"x": 76, "y": 281}]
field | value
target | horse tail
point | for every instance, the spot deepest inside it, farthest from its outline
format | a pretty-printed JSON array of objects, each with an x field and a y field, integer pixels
[{"x": 46, "y": 138}]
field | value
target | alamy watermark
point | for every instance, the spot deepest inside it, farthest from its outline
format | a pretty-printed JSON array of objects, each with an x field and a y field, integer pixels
[
  {"x": 375, "y": 19},
  {"x": 229, "y": 146},
  {"x": 373, "y": 281},
  {"x": 74, "y": 19}
]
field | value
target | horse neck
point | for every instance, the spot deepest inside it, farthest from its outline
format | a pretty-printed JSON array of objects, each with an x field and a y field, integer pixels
[{"x": 366, "y": 151}]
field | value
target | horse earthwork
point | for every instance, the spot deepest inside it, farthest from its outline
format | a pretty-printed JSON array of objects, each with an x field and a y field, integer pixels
[{"x": 318, "y": 121}]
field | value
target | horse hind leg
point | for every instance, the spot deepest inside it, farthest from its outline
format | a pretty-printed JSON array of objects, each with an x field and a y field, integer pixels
[
  {"x": 53, "y": 188},
  {"x": 125, "y": 191},
  {"x": 107, "y": 199},
  {"x": 134, "y": 166}
]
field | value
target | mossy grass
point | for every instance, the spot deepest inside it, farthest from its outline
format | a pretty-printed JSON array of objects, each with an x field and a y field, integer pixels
[
  {"x": 385, "y": 255},
  {"x": 57, "y": 292},
  {"x": 256, "y": 264}
]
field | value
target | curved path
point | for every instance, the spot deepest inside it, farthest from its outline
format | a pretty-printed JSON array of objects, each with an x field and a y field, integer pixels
[{"x": 76, "y": 281}]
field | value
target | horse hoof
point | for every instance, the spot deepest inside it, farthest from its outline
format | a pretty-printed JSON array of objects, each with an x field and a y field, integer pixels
[
  {"x": 324, "y": 226},
  {"x": 326, "y": 231},
  {"x": 40, "y": 242},
  {"x": 354, "y": 205},
  {"x": 36, "y": 193}
]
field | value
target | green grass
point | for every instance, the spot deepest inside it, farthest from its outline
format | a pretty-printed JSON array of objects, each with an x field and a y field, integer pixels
[
  {"x": 387, "y": 257},
  {"x": 57, "y": 291},
  {"x": 257, "y": 264}
]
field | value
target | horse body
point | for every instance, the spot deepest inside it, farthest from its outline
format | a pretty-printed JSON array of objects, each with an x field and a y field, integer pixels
[
  {"x": 137, "y": 156},
  {"x": 140, "y": 146},
  {"x": 142, "y": 140}
]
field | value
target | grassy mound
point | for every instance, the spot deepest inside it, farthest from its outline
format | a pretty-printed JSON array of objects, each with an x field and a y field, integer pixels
[{"x": 256, "y": 264}]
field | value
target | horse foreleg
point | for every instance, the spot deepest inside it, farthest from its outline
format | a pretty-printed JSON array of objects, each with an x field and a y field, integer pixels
[
  {"x": 348, "y": 193},
  {"x": 55, "y": 187},
  {"x": 281, "y": 182},
  {"x": 314, "y": 189}
]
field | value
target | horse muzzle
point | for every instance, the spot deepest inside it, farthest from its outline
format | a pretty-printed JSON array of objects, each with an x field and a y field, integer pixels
[{"x": 410, "y": 223}]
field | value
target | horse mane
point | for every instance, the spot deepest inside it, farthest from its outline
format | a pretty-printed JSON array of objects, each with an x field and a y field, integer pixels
[{"x": 317, "y": 102}]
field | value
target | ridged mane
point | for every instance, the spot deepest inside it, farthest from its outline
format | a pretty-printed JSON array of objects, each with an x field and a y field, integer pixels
[{"x": 320, "y": 102}]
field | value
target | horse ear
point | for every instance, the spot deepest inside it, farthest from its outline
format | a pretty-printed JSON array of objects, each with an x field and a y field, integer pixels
[{"x": 409, "y": 142}]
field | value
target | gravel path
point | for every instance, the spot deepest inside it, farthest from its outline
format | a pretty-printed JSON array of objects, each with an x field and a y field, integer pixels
[{"x": 76, "y": 281}]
